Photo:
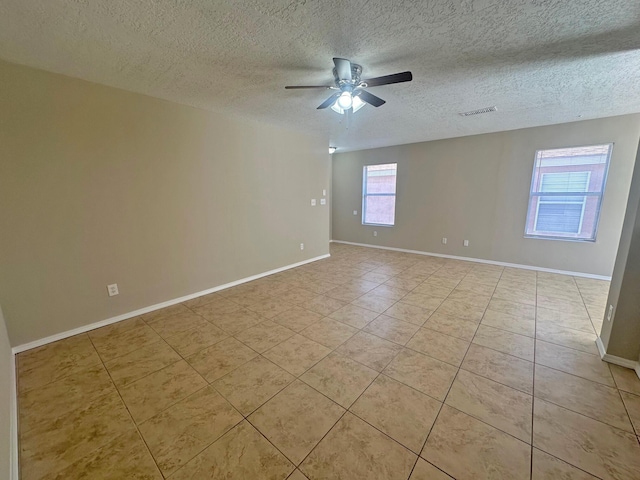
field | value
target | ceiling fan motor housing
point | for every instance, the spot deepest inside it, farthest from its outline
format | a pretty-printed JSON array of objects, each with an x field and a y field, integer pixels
[{"x": 356, "y": 72}]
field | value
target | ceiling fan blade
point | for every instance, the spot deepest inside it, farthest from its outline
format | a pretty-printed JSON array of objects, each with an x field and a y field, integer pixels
[
  {"x": 329, "y": 101},
  {"x": 370, "y": 99},
  {"x": 343, "y": 68},
  {"x": 389, "y": 79},
  {"x": 297, "y": 87}
]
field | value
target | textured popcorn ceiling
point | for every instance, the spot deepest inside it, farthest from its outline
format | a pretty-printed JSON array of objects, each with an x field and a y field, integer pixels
[{"x": 540, "y": 61}]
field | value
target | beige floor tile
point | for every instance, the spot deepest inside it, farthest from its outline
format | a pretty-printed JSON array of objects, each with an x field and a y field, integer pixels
[
  {"x": 475, "y": 287},
  {"x": 438, "y": 345},
  {"x": 191, "y": 341},
  {"x": 52, "y": 446},
  {"x": 583, "y": 396},
  {"x": 120, "y": 342},
  {"x": 323, "y": 305},
  {"x": 252, "y": 384},
  {"x": 567, "y": 337},
  {"x": 175, "y": 324},
  {"x": 432, "y": 290},
  {"x": 500, "y": 406},
  {"x": 423, "y": 373},
  {"x": 370, "y": 350},
  {"x": 595, "y": 447},
  {"x": 297, "y": 319},
  {"x": 140, "y": 363},
  {"x": 245, "y": 299},
  {"x": 373, "y": 302},
  {"x": 264, "y": 336},
  {"x": 235, "y": 322},
  {"x": 182, "y": 431},
  {"x": 506, "y": 342},
  {"x": 425, "y": 471},
  {"x": 500, "y": 367},
  {"x": 548, "y": 467},
  {"x": 392, "y": 329},
  {"x": 458, "y": 309},
  {"x": 375, "y": 277},
  {"x": 632, "y": 404},
  {"x": 340, "y": 378},
  {"x": 553, "y": 293},
  {"x": 471, "y": 298},
  {"x": 165, "y": 312},
  {"x": 444, "y": 281},
  {"x": 453, "y": 326},
  {"x": 574, "y": 362},
  {"x": 422, "y": 300},
  {"x": 46, "y": 403},
  {"x": 354, "y": 450},
  {"x": 515, "y": 295},
  {"x": 218, "y": 307},
  {"x": 409, "y": 313},
  {"x": 54, "y": 361},
  {"x": 626, "y": 379},
  {"x": 510, "y": 323},
  {"x": 270, "y": 308},
  {"x": 151, "y": 394},
  {"x": 466, "y": 448},
  {"x": 356, "y": 317},
  {"x": 297, "y": 475},
  {"x": 582, "y": 322},
  {"x": 405, "y": 283},
  {"x": 328, "y": 332},
  {"x": 405, "y": 414},
  {"x": 564, "y": 306},
  {"x": 126, "y": 456},
  {"x": 242, "y": 453},
  {"x": 296, "y": 295},
  {"x": 520, "y": 310},
  {"x": 387, "y": 291},
  {"x": 217, "y": 360},
  {"x": 296, "y": 419},
  {"x": 297, "y": 354}
]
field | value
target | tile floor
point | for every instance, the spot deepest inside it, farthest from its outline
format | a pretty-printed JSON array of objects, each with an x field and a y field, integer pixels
[{"x": 368, "y": 365}]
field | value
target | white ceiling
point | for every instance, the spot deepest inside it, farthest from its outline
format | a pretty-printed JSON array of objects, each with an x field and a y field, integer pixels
[{"x": 540, "y": 61}]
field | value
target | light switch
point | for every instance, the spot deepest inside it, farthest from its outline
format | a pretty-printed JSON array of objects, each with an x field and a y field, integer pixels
[
  {"x": 323, "y": 201},
  {"x": 324, "y": 193},
  {"x": 313, "y": 202},
  {"x": 355, "y": 212}
]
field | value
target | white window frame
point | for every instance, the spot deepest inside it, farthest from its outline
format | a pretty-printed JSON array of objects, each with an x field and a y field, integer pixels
[
  {"x": 582, "y": 201},
  {"x": 599, "y": 195},
  {"x": 365, "y": 195}
]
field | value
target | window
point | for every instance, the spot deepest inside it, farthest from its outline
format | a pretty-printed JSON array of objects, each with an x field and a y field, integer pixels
[
  {"x": 566, "y": 192},
  {"x": 379, "y": 194}
]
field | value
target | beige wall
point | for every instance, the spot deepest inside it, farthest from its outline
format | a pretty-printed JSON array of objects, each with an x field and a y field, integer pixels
[
  {"x": 6, "y": 402},
  {"x": 477, "y": 188},
  {"x": 100, "y": 186},
  {"x": 621, "y": 336}
]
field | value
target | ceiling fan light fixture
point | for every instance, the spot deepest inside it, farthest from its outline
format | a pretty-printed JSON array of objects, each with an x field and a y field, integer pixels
[
  {"x": 356, "y": 105},
  {"x": 345, "y": 100}
]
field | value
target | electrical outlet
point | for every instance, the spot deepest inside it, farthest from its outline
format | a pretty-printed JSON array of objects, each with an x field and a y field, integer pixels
[
  {"x": 355, "y": 212},
  {"x": 113, "y": 290},
  {"x": 609, "y": 313},
  {"x": 302, "y": 246},
  {"x": 375, "y": 234},
  {"x": 323, "y": 201},
  {"x": 444, "y": 240},
  {"x": 313, "y": 202},
  {"x": 465, "y": 243}
]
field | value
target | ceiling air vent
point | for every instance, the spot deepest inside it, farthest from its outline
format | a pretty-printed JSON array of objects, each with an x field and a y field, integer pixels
[{"x": 479, "y": 111}]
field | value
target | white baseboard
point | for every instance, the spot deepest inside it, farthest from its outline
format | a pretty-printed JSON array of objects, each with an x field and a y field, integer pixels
[
  {"x": 623, "y": 362},
  {"x": 157, "y": 306},
  {"x": 480, "y": 260}
]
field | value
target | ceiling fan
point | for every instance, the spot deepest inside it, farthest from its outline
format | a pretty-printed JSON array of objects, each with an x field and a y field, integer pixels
[{"x": 351, "y": 94}]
